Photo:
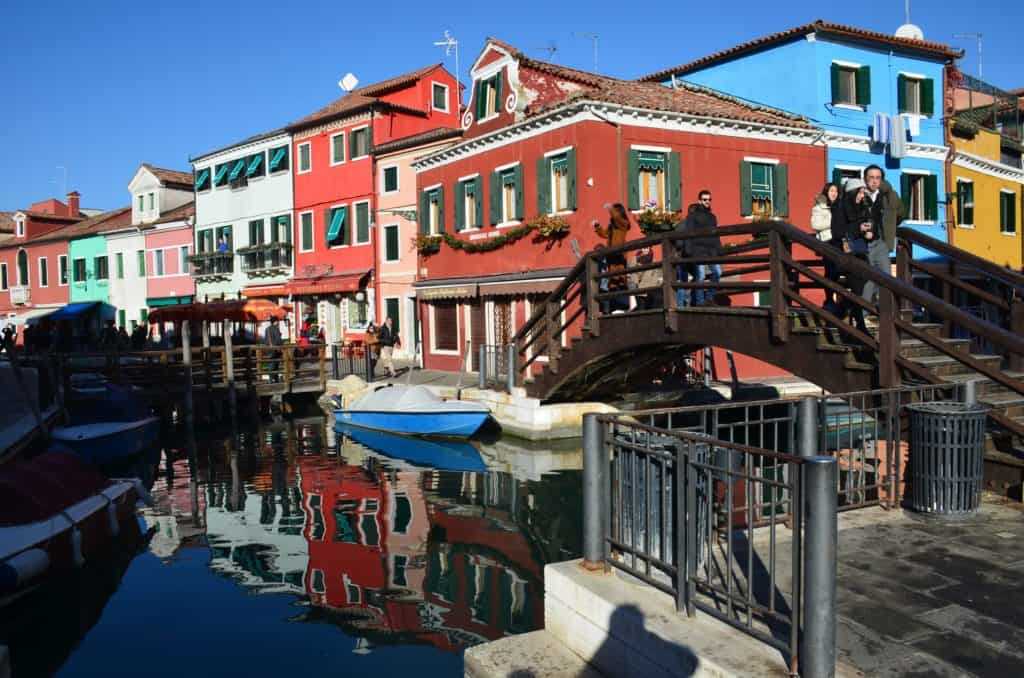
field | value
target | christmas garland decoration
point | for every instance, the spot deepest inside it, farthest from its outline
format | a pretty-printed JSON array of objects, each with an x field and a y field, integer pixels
[
  {"x": 490, "y": 244},
  {"x": 547, "y": 228}
]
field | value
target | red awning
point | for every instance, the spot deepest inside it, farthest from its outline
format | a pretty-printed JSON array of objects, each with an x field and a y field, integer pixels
[
  {"x": 328, "y": 284},
  {"x": 249, "y": 310},
  {"x": 266, "y": 291}
]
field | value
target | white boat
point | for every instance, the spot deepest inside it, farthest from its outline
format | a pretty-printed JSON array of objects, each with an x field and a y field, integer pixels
[
  {"x": 413, "y": 410},
  {"x": 104, "y": 441}
]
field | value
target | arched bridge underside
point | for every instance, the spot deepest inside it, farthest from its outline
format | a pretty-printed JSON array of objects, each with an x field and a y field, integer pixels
[{"x": 633, "y": 347}]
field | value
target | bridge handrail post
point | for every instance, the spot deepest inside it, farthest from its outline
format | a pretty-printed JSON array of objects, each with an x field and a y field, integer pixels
[
  {"x": 554, "y": 343},
  {"x": 668, "y": 275},
  {"x": 888, "y": 339},
  {"x": 595, "y": 491},
  {"x": 593, "y": 308},
  {"x": 777, "y": 286},
  {"x": 510, "y": 367},
  {"x": 1017, "y": 327},
  {"x": 904, "y": 254}
]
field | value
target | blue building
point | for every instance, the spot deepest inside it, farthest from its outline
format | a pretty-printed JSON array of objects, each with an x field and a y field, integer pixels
[{"x": 862, "y": 88}]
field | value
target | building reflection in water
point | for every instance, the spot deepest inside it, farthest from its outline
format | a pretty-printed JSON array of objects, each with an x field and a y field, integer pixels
[{"x": 390, "y": 552}]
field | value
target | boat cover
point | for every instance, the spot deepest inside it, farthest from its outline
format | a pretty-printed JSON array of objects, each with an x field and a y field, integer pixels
[
  {"x": 38, "y": 488},
  {"x": 402, "y": 398}
]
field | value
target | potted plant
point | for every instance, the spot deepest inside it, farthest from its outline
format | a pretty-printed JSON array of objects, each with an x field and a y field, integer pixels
[
  {"x": 427, "y": 244},
  {"x": 653, "y": 219},
  {"x": 549, "y": 227}
]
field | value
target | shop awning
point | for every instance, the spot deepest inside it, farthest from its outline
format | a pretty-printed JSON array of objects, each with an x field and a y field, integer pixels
[
  {"x": 328, "y": 284},
  {"x": 33, "y": 316},
  {"x": 266, "y": 291},
  {"x": 278, "y": 157},
  {"x": 505, "y": 289},
  {"x": 156, "y": 302},
  {"x": 75, "y": 310},
  {"x": 464, "y": 291},
  {"x": 242, "y": 310}
]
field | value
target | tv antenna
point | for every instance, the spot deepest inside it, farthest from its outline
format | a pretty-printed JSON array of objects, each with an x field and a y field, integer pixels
[
  {"x": 973, "y": 36},
  {"x": 550, "y": 49},
  {"x": 450, "y": 45},
  {"x": 594, "y": 37}
]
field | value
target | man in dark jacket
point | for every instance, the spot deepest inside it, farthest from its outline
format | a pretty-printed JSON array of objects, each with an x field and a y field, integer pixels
[
  {"x": 887, "y": 212},
  {"x": 388, "y": 339},
  {"x": 273, "y": 337},
  {"x": 699, "y": 217}
]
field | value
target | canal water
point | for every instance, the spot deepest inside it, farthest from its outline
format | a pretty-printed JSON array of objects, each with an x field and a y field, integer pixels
[{"x": 298, "y": 549}]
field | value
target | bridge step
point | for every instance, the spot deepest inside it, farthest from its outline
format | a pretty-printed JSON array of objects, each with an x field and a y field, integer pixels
[
  {"x": 1011, "y": 405},
  {"x": 987, "y": 387},
  {"x": 915, "y": 348},
  {"x": 942, "y": 366}
]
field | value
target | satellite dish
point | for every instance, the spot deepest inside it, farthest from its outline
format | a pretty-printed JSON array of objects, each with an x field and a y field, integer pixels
[
  {"x": 910, "y": 31},
  {"x": 349, "y": 82}
]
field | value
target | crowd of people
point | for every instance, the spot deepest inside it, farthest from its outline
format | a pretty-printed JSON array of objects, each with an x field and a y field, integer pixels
[{"x": 859, "y": 218}]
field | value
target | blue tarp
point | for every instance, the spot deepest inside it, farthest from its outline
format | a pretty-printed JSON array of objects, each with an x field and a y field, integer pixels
[{"x": 73, "y": 311}]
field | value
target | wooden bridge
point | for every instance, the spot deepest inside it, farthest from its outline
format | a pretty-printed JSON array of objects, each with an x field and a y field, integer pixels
[{"x": 949, "y": 318}]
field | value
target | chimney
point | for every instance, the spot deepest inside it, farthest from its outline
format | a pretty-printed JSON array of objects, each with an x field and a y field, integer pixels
[{"x": 73, "y": 204}]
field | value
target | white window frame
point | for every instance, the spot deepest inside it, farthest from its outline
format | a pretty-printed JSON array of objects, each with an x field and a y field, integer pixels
[
  {"x": 960, "y": 207},
  {"x": 19, "y": 228},
  {"x": 344, "y": 148},
  {"x": 917, "y": 173},
  {"x": 384, "y": 243},
  {"x": 67, "y": 265},
  {"x": 506, "y": 219},
  {"x": 1016, "y": 208},
  {"x": 497, "y": 107},
  {"x": 152, "y": 201},
  {"x": 85, "y": 268},
  {"x": 5, "y": 281},
  {"x": 465, "y": 206},
  {"x": 349, "y": 141},
  {"x": 44, "y": 273},
  {"x": 298, "y": 157},
  {"x": 183, "y": 252},
  {"x": 352, "y": 232},
  {"x": 398, "y": 179},
  {"x": 447, "y": 97},
  {"x": 919, "y": 79},
  {"x": 553, "y": 186},
  {"x": 312, "y": 231},
  {"x": 433, "y": 331},
  {"x": 161, "y": 270},
  {"x": 853, "y": 106},
  {"x": 369, "y": 225}
]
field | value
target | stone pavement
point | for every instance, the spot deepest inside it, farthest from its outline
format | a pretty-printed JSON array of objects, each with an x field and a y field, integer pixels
[{"x": 928, "y": 597}]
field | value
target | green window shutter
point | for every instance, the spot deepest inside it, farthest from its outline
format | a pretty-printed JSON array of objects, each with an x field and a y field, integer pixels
[
  {"x": 837, "y": 178},
  {"x": 391, "y": 243},
  {"x": 518, "y": 173},
  {"x": 391, "y": 311},
  {"x": 120, "y": 318},
  {"x": 120, "y": 266},
  {"x": 543, "y": 185},
  {"x": 905, "y": 192},
  {"x": 931, "y": 197},
  {"x": 478, "y": 197},
  {"x": 424, "y": 214},
  {"x": 633, "y": 178},
  {"x": 835, "y": 83},
  {"x": 927, "y": 96},
  {"x": 440, "y": 209},
  {"x": 497, "y": 91},
  {"x": 495, "y": 197},
  {"x": 144, "y": 315},
  {"x": 674, "y": 181},
  {"x": 780, "y": 196},
  {"x": 901, "y": 93},
  {"x": 746, "y": 196},
  {"x": 460, "y": 205},
  {"x": 362, "y": 214},
  {"x": 864, "y": 86},
  {"x": 570, "y": 157},
  {"x": 481, "y": 98}
]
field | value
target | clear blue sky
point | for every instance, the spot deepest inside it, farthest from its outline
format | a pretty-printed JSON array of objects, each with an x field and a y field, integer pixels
[{"x": 99, "y": 87}]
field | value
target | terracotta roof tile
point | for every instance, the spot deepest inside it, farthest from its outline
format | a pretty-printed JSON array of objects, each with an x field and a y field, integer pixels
[
  {"x": 823, "y": 27},
  {"x": 46, "y": 216},
  {"x": 179, "y": 213},
  {"x": 107, "y": 221},
  {"x": 398, "y": 82},
  {"x": 171, "y": 178},
  {"x": 430, "y": 136},
  {"x": 6, "y": 222},
  {"x": 574, "y": 74}
]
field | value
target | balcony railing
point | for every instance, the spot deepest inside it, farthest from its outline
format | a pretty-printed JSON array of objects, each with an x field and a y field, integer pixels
[
  {"x": 21, "y": 295},
  {"x": 209, "y": 264},
  {"x": 267, "y": 258}
]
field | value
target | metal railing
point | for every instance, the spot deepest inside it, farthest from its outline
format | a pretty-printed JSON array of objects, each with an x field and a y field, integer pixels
[
  {"x": 346, "y": 360},
  {"x": 496, "y": 363},
  {"x": 212, "y": 263},
  {"x": 261, "y": 258},
  {"x": 677, "y": 510}
]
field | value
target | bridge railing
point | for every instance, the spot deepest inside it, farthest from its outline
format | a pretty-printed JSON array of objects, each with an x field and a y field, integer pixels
[
  {"x": 779, "y": 261},
  {"x": 677, "y": 510}
]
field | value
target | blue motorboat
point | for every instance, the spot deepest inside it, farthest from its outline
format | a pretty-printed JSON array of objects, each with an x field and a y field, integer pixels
[
  {"x": 104, "y": 441},
  {"x": 413, "y": 410},
  {"x": 450, "y": 455}
]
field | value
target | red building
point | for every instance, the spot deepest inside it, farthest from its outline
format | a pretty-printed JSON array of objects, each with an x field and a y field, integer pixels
[
  {"x": 335, "y": 194},
  {"x": 33, "y": 263},
  {"x": 542, "y": 139}
]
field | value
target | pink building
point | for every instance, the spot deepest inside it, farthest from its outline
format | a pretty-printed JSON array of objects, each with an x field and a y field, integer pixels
[{"x": 171, "y": 233}]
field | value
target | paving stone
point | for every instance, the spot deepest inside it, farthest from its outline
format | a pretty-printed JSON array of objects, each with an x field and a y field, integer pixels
[
  {"x": 863, "y": 648},
  {"x": 910, "y": 664},
  {"x": 884, "y": 620},
  {"x": 878, "y": 587},
  {"x": 978, "y": 627},
  {"x": 911, "y": 575},
  {"x": 961, "y": 564},
  {"x": 979, "y": 659},
  {"x": 1001, "y": 601}
]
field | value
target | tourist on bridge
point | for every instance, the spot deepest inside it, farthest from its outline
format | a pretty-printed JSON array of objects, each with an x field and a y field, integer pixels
[
  {"x": 825, "y": 219},
  {"x": 273, "y": 338},
  {"x": 616, "y": 233},
  {"x": 854, "y": 226},
  {"x": 887, "y": 212},
  {"x": 699, "y": 217},
  {"x": 388, "y": 340}
]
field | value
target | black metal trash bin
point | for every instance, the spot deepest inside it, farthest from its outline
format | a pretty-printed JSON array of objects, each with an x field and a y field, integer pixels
[{"x": 947, "y": 453}]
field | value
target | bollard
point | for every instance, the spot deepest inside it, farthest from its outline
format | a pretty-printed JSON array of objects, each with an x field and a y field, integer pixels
[
  {"x": 807, "y": 427},
  {"x": 510, "y": 367},
  {"x": 818, "y": 654},
  {"x": 595, "y": 462},
  {"x": 482, "y": 371},
  {"x": 970, "y": 395}
]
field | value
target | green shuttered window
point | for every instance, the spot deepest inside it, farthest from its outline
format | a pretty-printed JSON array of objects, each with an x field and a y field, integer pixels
[
  {"x": 915, "y": 95},
  {"x": 203, "y": 179},
  {"x": 431, "y": 212},
  {"x": 468, "y": 204},
  {"x": 254, "y": 167},
  {"x": 1007, "y": 212},
  {"x": 391, "y": 251},
  {"x": 655, "y": 179},
  {"x": 391, "y": 307},
  {"x": 306, "y": 231},
  {"x": 488, "y": 97},
  {"x": 278, "y": 159},
  {"x": 764, "y": 189},
  {"x": 556, "y": 183},
  {"x": 362, "y": 217},
  {"x": 920, "y": 195},
  {"x": 851, "y": 85},
  {"x": 337, "y": 229},
  {"x": 220, "y": 177}
]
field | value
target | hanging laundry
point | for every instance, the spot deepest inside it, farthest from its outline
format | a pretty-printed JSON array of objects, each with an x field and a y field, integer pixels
[
  {"x": 898, "y": 137},
  {"x": 880, "y": 129},
  {"x": 914, "y": 125}
]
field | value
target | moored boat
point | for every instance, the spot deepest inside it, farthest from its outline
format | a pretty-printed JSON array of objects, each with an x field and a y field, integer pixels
[
  {"x": 105, "y": 441},
  {"x": 450, "y": 455},
  {"x": 56, "y": 511},
  {"x": 413, "y": 410}
]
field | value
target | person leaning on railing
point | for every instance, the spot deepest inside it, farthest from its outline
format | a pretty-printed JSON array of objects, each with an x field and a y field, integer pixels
[
  {"x": 849, "y": 226},
  {"x": 616, "y": 233}
]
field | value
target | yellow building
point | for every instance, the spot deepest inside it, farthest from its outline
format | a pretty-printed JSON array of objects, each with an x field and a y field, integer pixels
[{"x": 986, "y": 186}]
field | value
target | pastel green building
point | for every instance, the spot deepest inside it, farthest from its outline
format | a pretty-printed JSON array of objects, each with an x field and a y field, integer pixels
[{"x": 90, "y": 269}]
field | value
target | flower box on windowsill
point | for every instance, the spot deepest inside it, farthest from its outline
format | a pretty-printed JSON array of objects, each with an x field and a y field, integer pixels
[
  {"x": 655, "y": 220},
  {"x": 427, "y": 244}
]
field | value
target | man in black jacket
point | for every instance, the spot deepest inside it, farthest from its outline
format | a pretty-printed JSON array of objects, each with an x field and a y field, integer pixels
[
  {"x": 699, "y": 217},
  {"x": 388, "y": 339}
]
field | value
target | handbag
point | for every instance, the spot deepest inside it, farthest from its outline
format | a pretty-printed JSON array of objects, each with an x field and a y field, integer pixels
[{"x": 858, "y": 247}]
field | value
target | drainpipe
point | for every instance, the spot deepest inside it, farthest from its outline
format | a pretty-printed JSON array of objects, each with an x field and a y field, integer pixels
[
  {"x": 947, "y": 136},
  {"x": 373, "y": 218}
]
